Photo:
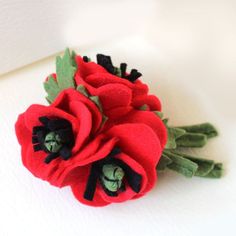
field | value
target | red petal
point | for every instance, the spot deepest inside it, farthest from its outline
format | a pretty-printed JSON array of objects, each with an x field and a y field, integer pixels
[
  {"x": 33, "y": 161},
  {"x": 152, "y": 101},
  {"x": 69, "y": 95},
  {"x": 85, "y": 123},
  {"x": 114, "y": 95},
  {"x": 87, "y": 68},
  {"x": 150, "y": 119},
  {"x": 141, "y": 143},
  {"x": 78, "y": 189},
  {"x": 139, "y": 88}
]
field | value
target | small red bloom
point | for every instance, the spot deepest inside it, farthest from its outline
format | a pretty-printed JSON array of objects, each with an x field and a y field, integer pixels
[
  {"x": 39, "y": 122},
  {"x": 113, "y": 91},
  {"x": 140, "y": 150}
]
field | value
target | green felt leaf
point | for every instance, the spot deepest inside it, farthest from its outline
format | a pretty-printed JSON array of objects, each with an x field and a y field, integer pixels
[
  {"x": 165, "y": 121},
  {"x": 163, "y": 162},
  {"x": 173, "y": 134},
  {"x": 104, "y": 119},
  {"x": 204, "y": 166},
  {"x": 73, "y": 61},
  {"x": 144, "y": 107},
  {"x": 181, "y": 165},
  {"x": 160, "y": 114},
  {"x": 82, "y": 90},
  {"x": 52, "y": 89},
  {"x": 205, "y": 128},
  {"x": 216, "y": 172},
  {"x": 65, "y": 70},
  {"x": 191, "y": 140},
  {"x": 96, "y": 100}
]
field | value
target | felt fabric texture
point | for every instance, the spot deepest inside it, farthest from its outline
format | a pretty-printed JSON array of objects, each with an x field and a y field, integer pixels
[
  {"x": 94, "y": 76},
  {"x": 144, "y": 117},
  {"x": 70, "y": 105},
  {"x": 140, "y": 135},
  {"x": 152, "y": 102},
  {"x": 140, "y": 149}
]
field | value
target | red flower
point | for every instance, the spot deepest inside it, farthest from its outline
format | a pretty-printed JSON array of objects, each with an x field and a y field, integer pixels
[
  {"x": 140, "y": 151},
  {"x": 140, "y": 137},
  {"x": 49, "y": 134},
  {"x": 66, "y": 142},
  {"x": 114, "y": 92}
]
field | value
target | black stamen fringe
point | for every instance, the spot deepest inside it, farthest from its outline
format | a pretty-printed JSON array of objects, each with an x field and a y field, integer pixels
[
  {"x": 63, "y": 128},
  {"x": 106, "y": 62},
  {"x": 85, "y": 59}
]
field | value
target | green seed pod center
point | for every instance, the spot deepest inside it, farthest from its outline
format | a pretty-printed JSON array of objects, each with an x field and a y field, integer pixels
[
  {"x": 112, "y": 176},
  {"x": 52, "y": 142}
]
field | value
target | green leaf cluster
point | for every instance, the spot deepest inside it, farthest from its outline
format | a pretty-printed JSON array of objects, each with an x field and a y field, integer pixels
[
  {"x": 65, "y": 70},
  {"x": 189, "y": 137}
]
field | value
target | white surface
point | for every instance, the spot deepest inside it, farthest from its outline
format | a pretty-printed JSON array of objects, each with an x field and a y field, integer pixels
[
  {"x": 31, "y": 30},
  {"x": 176, "y": 206},
  {"x": 187, "y": 55}
]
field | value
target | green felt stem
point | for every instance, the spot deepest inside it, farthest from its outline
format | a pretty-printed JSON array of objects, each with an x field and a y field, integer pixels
[
  {"x": 192, "y": 140},
  {"x": 189, "y": 166},
  {"x": 216, "y": 172},
  {"x": 173, "y": 135},
  {"x": 181, "y": 165},
  {"x": 204, "y": 166},
  {"x": 163, "y": 162},
  {"x": 205, "y": 128}
]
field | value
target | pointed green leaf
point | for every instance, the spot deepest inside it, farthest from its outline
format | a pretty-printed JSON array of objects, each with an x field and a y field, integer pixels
[
  {"x": 160, "y": 114},
  {"x": 82, "y": 90},
  {"x": 73, "y": 61},
  {"x": 165, "y": 121},
  {"x": 52, "y": 89},
  {"x": 96, "y": 100},
  {"x": 65, "y": 70}
]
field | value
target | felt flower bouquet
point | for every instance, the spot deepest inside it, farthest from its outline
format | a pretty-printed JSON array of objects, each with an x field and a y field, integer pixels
[{"x": 104, "y": 135}]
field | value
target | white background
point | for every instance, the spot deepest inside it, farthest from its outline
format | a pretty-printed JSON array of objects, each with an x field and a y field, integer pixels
[{"x": 186, "y": 52}]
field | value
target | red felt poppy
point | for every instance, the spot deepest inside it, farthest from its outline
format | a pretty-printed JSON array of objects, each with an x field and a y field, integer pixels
[
  {"x": 113, "y": 91},
  {"x": 80, "y": 113},
  {"x": 140, "y": 150},
  {"x": 66, "y": 143}
]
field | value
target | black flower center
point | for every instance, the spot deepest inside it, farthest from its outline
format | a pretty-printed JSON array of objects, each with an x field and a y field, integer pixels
[
  {"x": 112, "y": 174},
  {"x": 106, "y": 62},
  {"x": 54, "y": 137}
]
